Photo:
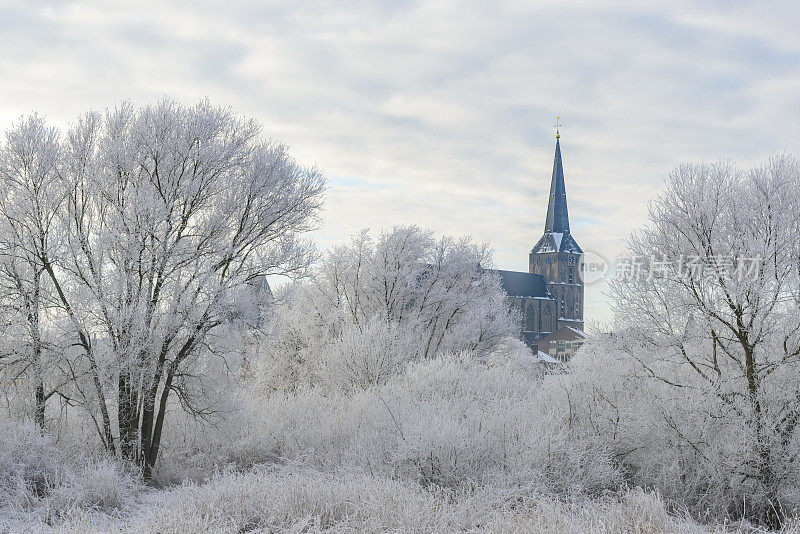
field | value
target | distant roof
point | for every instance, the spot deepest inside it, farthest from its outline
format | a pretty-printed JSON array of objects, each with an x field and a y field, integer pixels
[
  {"x": 565, "y": 333},
  {"x": 545, "y": 358},
  {"x": 525, "y": 285}
]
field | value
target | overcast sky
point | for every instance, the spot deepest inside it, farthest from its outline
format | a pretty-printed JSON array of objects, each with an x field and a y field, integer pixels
[{"x": 441, "y": 113}]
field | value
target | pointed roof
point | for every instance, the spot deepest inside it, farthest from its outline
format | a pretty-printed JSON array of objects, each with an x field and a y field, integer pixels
[
  {"x": 557, "y": 216},
  {"x": 566, "y": 333},
  {"x": 556, "y": 242},
  {"x": 556, "y": 236}
]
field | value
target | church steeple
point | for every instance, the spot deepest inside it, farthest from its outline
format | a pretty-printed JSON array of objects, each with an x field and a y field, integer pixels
[
  {"x": 556, "y": 236},
  {"x": 557, "y": 215},
  {"x": 556, "y": 256}
]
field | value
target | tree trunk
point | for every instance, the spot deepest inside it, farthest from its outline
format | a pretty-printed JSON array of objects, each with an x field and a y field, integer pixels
[
  {"x": 36, "y": 337},
  {"x": 40, "y": 403},
  {"x": 155, "y": 439},
  {"x": 769, "y": 512},
  {"x": 148, "y": 421},
  {"x": 128, "y": 416},
  {"x": 145, "y": 433}
]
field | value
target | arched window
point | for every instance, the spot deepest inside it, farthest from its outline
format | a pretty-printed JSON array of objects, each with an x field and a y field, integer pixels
[
  {"x": 563, "y": 306},
  {"x": 548, "y": 323},
  {"x": 529, "y": 318},
  {"x": 570, "y": 304}
]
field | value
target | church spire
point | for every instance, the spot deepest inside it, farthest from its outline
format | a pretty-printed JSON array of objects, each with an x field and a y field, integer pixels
[{"x": 557, "y": 216}]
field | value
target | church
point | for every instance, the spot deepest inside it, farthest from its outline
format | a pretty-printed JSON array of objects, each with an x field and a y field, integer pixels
[{"x": 549, "y": 296}]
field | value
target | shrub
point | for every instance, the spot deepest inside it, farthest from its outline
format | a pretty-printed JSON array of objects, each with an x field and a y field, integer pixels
[{"x": 30, "y": 464}]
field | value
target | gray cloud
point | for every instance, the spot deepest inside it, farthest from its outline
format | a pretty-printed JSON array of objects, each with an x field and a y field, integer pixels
[{"x": 440, "y": 113}]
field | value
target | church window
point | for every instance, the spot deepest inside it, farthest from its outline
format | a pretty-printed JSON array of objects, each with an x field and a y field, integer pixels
[
  {"x": 572, "y": 275},
  {"x": 563, "y": 306}
]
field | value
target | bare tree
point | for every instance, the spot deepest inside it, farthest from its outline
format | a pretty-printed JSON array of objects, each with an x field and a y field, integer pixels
[
  {"x": 718, "y": 283},
  {"x": 30, "y": 196},
  {"x": 373, "y": 305},
  {"x": 166, "y": 216}
]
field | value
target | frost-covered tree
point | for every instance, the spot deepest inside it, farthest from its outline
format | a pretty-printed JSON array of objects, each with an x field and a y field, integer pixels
[
  {"x": 166, "y": 216},
  {"x": 718, "y": 286},
  {"x": 31, "y": 193},
  {"x": 373, "y": 305}
]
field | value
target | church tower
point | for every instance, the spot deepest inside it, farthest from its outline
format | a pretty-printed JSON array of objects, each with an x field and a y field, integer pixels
[{"x": 557, "y": 257}]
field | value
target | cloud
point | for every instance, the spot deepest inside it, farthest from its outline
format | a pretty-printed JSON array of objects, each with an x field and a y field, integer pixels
[{"x": 440, "y": 113}]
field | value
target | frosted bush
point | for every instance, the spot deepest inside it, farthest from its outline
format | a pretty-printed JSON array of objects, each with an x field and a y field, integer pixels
[
  {"x": 365, "y": 355},
  {"x": 685, "y": 441},
  {"x": 194, "y": 450},
  {"x": 451, "y": 421},
  {"x": 309, "y": 501},
  {"x": 30, "y": 464},
  {"x": 102, "y": 485},
  {"x": 453, "y": 444},
  {"x": 44, "y": 482},
  {"x": 295, "y": 499}
]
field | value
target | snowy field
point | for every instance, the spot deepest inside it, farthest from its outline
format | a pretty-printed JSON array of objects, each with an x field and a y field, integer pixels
[{"x": 449, "y": 445}]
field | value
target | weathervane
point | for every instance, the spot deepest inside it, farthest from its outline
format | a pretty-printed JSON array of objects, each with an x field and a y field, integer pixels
[{"x": 558, "y": 135}]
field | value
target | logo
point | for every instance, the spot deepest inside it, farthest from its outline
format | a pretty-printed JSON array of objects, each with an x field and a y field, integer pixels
[{"x": 594, "y": 267}]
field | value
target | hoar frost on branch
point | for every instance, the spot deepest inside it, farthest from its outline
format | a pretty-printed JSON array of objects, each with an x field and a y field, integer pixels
[
  {"x": 30, "y": 193},
  {"x": 732, "y": 340},
  {"x": 150, "y": 227},
  {"x": 374, "y": 304}
]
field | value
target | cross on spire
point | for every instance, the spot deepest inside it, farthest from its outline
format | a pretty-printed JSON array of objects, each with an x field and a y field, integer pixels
[{"x": 557, "y": 127}]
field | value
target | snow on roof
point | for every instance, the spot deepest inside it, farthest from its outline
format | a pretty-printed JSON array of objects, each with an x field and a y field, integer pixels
[
  {"x": 556, "y": 242},
  {"x": 570, "y": 246},
  {"x": 525, "y": 285},
  {"x": 545, "y": 358},
  {"x": 566, "y": 333},
  {"x": 577, "y": 331},
  {"x": 558, "y": 237}
]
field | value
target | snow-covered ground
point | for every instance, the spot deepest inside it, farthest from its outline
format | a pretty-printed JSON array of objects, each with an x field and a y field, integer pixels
[
  {"x": 449, "y": 445},
  {"x": 292, "y": 500}
]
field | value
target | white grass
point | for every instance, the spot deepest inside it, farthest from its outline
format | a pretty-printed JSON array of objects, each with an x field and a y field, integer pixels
[
  {"x": 301, "y": 500},
  {"x": 448, "y": 445}
]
